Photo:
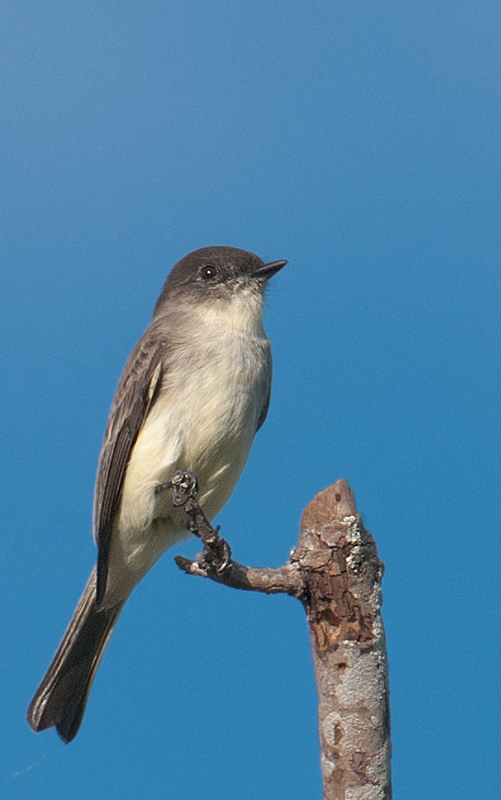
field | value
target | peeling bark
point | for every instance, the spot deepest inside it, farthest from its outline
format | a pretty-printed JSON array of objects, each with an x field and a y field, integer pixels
[{"x": 343, "y": 574}]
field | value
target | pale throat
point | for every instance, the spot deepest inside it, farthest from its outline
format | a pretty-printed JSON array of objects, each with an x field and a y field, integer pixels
[{"x": 241, "y": 312}]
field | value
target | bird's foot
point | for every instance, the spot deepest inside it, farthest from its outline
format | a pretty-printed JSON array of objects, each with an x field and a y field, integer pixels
[
  {"x": 183, "y": 484},
  {"x": 216, "y": 555}
]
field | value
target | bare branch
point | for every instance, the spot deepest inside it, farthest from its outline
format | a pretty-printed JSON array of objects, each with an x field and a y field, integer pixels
[
  {"x": 284, "y": 580},
  {"x": 336, "y": 573},
  {"x": 348, "y": 643}
]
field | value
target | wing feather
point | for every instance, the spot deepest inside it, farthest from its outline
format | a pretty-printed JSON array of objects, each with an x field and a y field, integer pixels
[{"x": 136, "y": 392}]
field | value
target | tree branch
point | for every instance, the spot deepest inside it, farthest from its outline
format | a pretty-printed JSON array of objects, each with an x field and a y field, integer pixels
[
  {"x": 336, "y": 573},
  {"x": 344, "y": 574}
]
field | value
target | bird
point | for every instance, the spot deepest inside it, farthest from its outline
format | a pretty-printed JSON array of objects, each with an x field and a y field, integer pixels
[{"x": 193, "y": 393}]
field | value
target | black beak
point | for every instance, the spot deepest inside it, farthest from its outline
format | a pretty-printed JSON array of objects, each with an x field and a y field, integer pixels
[{"x": 268, "y": 270}]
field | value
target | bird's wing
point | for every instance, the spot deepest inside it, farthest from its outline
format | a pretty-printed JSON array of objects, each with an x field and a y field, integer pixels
[
  {"x": 264, "y": 412},
  {"x": 266, "y": 389},
  {"x": 136, "y": 391}
]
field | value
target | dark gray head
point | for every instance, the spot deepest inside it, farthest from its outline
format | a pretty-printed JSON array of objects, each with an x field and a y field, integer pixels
[{"x": 216, "y": 272}]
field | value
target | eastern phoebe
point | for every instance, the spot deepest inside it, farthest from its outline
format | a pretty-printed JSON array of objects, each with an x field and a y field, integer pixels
[{"x": 193, "y": 393}]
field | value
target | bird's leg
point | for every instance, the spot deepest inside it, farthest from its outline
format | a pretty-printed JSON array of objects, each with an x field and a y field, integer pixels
[{"x": 216, "y": 555}]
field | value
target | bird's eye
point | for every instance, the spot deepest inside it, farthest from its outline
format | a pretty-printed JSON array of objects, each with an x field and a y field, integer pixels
[{"x": 208, "y": 272}]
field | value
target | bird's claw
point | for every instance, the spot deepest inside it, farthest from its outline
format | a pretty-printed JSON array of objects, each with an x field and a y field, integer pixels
[
  {"x": 183, "y": 485},
  {"x": 215, "y": 557}
]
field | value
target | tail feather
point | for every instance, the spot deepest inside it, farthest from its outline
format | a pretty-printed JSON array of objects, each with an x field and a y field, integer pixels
[{"x": 61, "y": 698}]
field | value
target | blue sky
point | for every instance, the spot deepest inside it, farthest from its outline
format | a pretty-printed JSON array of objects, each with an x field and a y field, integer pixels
[{"x": 360, "y": 140}]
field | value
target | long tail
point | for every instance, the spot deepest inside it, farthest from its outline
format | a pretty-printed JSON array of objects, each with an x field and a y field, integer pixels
[{"x": 61, "y": 698}]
